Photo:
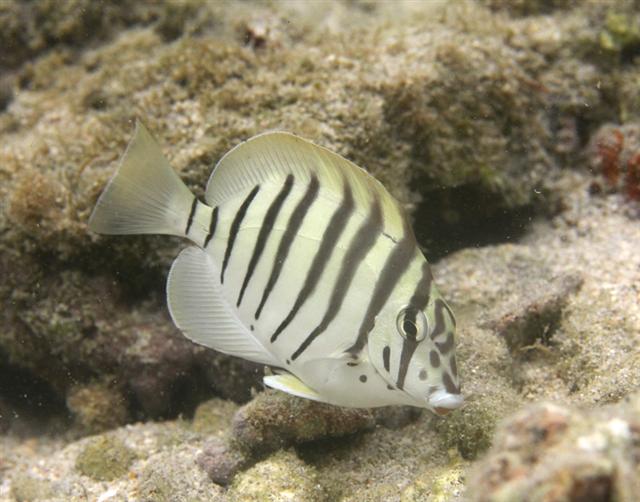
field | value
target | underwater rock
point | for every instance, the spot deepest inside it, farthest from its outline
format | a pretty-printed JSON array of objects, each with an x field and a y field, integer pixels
[
  {"x": 396, "y": 417},
  {"x": 470, "y": 431},
  {"x": 5, "y": 415},
  {"x": 105, "y": 458},
  {"x": 97, "y": 407},
  {"x": 222, "y": 460},
  {"x": 170, "y": 476},
  {"x": 280, "y": 478},
  {"x": 614, "y": 153},
  {"x": 534, "y": 316},
  {"x": 274, "y": 420},
  {"x": 213, "y": 416},
  {"x": 529, "y": 7},
  {"x": 31, "y": 489},
  {"x": 550, "y": 452}
]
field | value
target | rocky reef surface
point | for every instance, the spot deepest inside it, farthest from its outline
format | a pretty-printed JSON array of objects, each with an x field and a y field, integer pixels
[{"x": 509, "y": 130}]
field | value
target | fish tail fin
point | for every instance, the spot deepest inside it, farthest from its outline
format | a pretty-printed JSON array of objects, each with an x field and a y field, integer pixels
[{"x": 145, "y": 196}]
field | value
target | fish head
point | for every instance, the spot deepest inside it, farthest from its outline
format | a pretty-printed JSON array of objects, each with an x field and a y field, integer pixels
[{"x": 414, "y": 350}]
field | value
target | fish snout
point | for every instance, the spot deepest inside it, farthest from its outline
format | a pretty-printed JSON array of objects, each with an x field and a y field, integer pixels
[{"x": 443, "y": 402}]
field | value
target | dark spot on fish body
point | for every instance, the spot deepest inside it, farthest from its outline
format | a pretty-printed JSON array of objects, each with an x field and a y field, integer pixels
[
  {"x": 363, "y": 378},
  {"x": 251, "y": 327},
  {"x": 351, "y": 363},
  {"x": 288, "y": 361},
  {"x": 422, "y": 375},
  {"x": 390, "y": 387},
  {"x": 434, "y": 359},
  {"x": 386, "y": 355}
]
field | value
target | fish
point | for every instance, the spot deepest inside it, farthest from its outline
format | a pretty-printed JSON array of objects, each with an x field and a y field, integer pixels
[{"x": 301, "y": 261}]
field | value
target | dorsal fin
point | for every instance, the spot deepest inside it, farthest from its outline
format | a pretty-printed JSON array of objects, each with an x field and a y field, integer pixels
[{"x": 273, "y": 156}]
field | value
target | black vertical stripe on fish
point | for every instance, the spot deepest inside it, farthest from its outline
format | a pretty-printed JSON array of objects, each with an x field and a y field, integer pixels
[
  {"x": 420, "y": 298},
  {"x": 454, "y": 366},
  {"x": 191, "y": 213},
  {"x": 361, "y": 243},
  {"x": 451, "y": 387},
  {"x": 409, "y": 346},
  {"x": 395, "y": 265},
  {"x": 265, "y": 230},
  {"x": 440, "y": 326},
  {"x": 418, "y": 302},
  {"x": 386, "y": 355},
  {"x": 212, "y": 226},
  {"x": 235, "y": 226},
  {"x": 293, "y": 225},
  {"x": 331, "y": 235}
]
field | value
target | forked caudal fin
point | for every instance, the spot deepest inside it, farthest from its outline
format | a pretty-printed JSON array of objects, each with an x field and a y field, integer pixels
[{"x": 145, "y": 196}]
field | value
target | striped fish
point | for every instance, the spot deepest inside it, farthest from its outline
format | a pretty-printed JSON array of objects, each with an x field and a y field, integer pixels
[{"x": 301, "y": 261}]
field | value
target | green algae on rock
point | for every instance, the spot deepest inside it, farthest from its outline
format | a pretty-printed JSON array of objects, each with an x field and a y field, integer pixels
[
  {"x": 31, "y": 489},
  {"x": 279, "y": 478},
  {"x": 105, "y": 458},
  {"x": 213, "y": 416},
  {"x": 221, "y": 459},
  {"x": 470, "y": 430},
  {"x": 273, "y": 420},
  {"x": 172, "y": 477},
  {"x": 97, "y": 407}
]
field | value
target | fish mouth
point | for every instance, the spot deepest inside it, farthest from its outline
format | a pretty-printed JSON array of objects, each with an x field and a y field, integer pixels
[{"x": 443, "y": 402}]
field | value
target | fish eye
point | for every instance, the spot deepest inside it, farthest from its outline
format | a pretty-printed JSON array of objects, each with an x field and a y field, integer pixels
[{"x": 412, "y": 324}]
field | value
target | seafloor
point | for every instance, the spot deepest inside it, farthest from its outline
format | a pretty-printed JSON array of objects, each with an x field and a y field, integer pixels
[{"x": 510, "y": 130}]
